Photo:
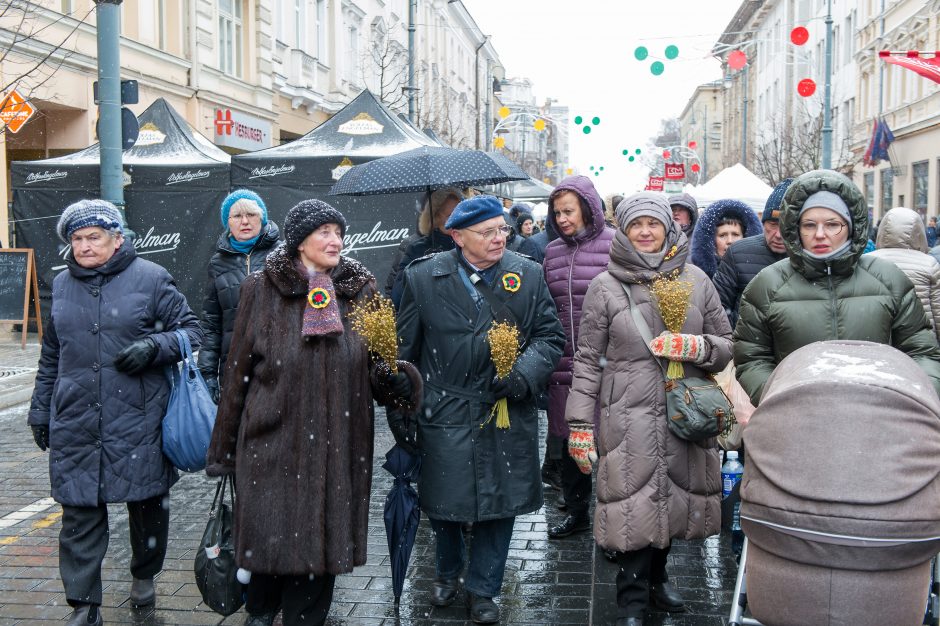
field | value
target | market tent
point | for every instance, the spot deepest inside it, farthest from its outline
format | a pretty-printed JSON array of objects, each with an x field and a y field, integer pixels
[
  {"x": 735, "y": 182},
  {"x": 174, "y": 182},
  {"x": 364, "y": 130}
]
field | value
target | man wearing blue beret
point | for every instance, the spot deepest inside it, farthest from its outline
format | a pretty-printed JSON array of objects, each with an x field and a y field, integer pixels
[{"x": 476, "y": 467}]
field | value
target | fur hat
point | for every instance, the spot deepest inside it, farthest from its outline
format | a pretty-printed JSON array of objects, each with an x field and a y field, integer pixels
[
  {"x": 237, "y": 197},
  {"x": 85, "y": 213},
  {"x": 473, "y": 211},
  {"x": 305, "y": 217},
  {"x": 772, "y": 206}
]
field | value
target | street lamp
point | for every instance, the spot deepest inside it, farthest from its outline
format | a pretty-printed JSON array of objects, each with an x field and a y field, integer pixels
[
  {"x": 704, "y": 140},
  {"x": 521, "y": 121}
]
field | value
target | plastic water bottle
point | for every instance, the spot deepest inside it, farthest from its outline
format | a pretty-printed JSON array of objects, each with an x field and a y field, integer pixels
[{"x": 731, "y": 473}]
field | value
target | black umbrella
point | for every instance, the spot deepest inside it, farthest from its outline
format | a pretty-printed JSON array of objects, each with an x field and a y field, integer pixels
[
  {"x": 427, "y": 168},
  {"x": 402, "y": 513}
]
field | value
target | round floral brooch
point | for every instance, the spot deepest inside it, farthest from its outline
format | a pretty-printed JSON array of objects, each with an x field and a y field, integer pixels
[
  {"x": 511, "y": 282},
  {"x": 318, "y": 297}
]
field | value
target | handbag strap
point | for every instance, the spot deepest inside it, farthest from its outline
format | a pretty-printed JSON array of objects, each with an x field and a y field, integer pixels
[
  {"x": 186, "y": 349},
  {"x": 642, "y": 326}
]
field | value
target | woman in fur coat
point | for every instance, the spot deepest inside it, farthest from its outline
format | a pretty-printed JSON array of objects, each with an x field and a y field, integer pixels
[{"x": 295, "y": 424}]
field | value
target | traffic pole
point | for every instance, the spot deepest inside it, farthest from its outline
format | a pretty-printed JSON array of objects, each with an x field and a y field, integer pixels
[{"x": 108, "y": 14}]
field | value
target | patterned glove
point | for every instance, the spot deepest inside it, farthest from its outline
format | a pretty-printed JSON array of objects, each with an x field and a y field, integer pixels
[
  {"x": 581, "y": 446},
  {"x": 680, "y": 347}
]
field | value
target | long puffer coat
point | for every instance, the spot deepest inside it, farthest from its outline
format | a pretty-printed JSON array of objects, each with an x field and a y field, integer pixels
[
  {"x": 802, "y": 299},
  {"x": 472, "y": 471},
  {"x": 903, "y": 241},
  {"x": 651, "y": 485},
  {"x": 571, "y": 263},
  {"x": 105, "y": 436},
  {"x": 295, "y": 426},
  {"x": 227, "y": 270}
]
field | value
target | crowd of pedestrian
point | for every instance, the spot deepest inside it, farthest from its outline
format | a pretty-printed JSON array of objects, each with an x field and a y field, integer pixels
[{"x": 296, "y": 384}]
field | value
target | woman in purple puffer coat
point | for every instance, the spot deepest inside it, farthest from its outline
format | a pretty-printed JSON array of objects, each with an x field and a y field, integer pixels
[{"x": 581, "y": 252}]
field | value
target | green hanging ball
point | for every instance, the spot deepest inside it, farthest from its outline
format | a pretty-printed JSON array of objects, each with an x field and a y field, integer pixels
[
  {"x": 602, "y": 168},
  {"x": 641, "y": 53},
  {"x": 577, "y": 119},
  {"x": 657, "y": 68},
  {"x": 638, "y": 151},
  {"x": 596, "y": 121},
  {"x": 625, "y": 152},
  {"x": 587, "y": 130},
  {"x": 672, "y": 52},
  {"x": 631, "y": 159},
  {"x": 597, "y": 173},
  {"x": 591, "y": 168}
]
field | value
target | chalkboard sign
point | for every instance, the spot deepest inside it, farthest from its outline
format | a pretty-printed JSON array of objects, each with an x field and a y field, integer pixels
[{"x": 18, "y": 288}]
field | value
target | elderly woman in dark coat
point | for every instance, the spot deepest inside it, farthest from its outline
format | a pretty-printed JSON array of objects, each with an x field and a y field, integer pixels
[
  {"x": 100, "y": 398},
  {"x": 719, "y": 226},
  {"x": 242, "y": 249},
  {"x": 296, "y": 420}
]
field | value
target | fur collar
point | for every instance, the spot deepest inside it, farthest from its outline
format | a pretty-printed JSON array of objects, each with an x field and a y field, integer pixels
[{"x": 349, "y": 277}]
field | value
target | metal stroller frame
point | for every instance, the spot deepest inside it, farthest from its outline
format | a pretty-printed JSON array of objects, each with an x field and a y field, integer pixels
[{"x": 739, "y": 599}]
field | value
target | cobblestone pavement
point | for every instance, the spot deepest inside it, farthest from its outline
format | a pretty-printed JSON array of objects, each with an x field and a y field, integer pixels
[{"x": 564, "y": 581}]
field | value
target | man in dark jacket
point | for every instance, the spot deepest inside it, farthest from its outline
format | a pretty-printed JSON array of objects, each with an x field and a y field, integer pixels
[
  {"x": 99, "y": 401},
  {"x": 684, "y": 212},
  {"x": 475, "y": 469},
  {"x": 745, "y": 258}
]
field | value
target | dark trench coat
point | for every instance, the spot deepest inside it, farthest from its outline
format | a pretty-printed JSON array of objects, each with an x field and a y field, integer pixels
[{"x": 472, "y": 471}]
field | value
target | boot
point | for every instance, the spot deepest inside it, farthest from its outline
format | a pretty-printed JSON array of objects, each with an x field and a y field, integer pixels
[
  {"x": 85, "y": 615},
  {"x": 482, "y": 610},
  {"x": 551, "y": 475},
  {"x": 665, "y": 598},
  {"x": 261, "y": 619},
  {"x": 142, "y": 592},
  {"x": 444, "y": 591},
  {"x": 569, "y": 526}
]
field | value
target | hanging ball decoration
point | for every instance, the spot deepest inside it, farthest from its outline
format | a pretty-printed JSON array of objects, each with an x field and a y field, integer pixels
[
  {"x": 695, "y": 167},
  {"x": 549, "y": 164},
  {"x": 657, "y": 68},
  {"x": 586, "y": 129},
  {"x": 595, "y": 120},
  {"x": 641, "y": 53},
  {"x": 806, "y": 87},
  {"x": 568, "y": 171},
  {"x": 578, "y": 119},
  {"x": 666, "y": 154},
  {"x": 693, "y": 145},
  {"x": 672, "y": 52},
  {"x": 737, "y": 60},
  {"x": 539, "y": 125},
  {"x": 601, "y": 168},
  {"x": 631, "y": 158},
  {"x": 545, "y": 180},
  {"x": 499, "y": 142},
  {"x": 503, "y": 112},
  {"x": 799, "y": 35},
  {"x": 591, "y": 168}
]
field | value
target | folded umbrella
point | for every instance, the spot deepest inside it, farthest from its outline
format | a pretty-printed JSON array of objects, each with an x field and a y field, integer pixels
[{"x": 402, "y": 512}]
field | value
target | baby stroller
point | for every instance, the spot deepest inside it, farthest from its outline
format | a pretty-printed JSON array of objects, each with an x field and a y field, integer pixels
[{"x": 840, "y": 500}]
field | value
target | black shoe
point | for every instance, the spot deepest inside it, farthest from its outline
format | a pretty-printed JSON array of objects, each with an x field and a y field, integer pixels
[
  {"x": 482, "y": 610},
  {"x": 444, "y": 591},
  {"x": 262, "y": 619},
  {"x": 629, "y": 621},
  {"x": 551, "y": 476},
  {"x": 569, "y": 526},
  {"x": 85, "y": 615},
  {"x": 610, "y": 555},
  {"x": 142, "y": 592},
  {"x": 665, "y": 598}
]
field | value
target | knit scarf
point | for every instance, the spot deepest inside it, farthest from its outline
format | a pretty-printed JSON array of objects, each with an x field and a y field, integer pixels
[
  {"x": 321, "y": 315},
  {"x": 244, "y": 246}
]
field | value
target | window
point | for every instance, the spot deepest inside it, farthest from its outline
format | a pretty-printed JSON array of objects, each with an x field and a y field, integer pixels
[
  {"x": 352, "y": 61},
  {"x": 870, "y": 191},
  {"x": 919, "y": 175},
  {"x": 849, "y": 36},
  {"x": 321, "y": 31},
  {"x": 67, "y": 6},
  {"x": 298, "y": 17},
  {"x": 230, "y": 37},
  {"x": 887, "y": 190}
]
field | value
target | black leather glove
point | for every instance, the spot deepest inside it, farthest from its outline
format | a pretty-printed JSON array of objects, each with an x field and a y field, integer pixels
[
  {"x": 136, "y": 357},
  {"x": 214, "y": 391},
  {"x": 405, "y": 433},
  {"x": 41, "y": 436},
  {"x": 511, "y": 387},
  {"x": 400, "y": 384}
]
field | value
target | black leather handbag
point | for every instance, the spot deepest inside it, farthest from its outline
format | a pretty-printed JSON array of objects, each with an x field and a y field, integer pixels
[{"x": 215, "y": 567}]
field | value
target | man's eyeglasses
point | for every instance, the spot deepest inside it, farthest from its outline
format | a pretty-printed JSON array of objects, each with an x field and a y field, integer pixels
[
  {"x": 832, "y": 228},
  {"x": 490, "y": 233}
]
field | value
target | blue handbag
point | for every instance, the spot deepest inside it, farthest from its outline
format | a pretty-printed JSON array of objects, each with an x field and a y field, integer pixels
[{"x": 190, "y": 413}]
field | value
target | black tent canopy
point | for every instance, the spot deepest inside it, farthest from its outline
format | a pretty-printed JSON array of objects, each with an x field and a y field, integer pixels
[
  {"x": 364, "y": 130},
  {"x": 174, "y": 182}
]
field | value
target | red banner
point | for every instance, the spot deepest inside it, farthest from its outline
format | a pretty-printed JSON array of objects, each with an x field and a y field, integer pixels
[
  {"x": 928, "y": 68},
  {"x": 675, "y": 171},
  {"x": 655, "y": 183}
]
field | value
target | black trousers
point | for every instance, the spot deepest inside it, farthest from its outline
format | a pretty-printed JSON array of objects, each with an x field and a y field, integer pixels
[
  {"x": 304, "y": 599},
  {"x": 83, "y": 542},
  {"x": 576, "y": 486},
  {"x": 638, "y": 570}
]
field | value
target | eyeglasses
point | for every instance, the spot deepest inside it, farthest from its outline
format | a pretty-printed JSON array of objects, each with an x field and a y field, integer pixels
[
  {"x": 251, "y": 217},
  {"x": 831, "y": 228},
  {"x": 490, "y": 233}
]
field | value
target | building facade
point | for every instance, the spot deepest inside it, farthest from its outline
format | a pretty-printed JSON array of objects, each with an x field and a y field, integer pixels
[{"x": 701, "y": 122}]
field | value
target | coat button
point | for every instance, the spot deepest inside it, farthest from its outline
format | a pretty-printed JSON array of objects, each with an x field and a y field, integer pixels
[
  {"x": 94, "y": 329},
  {"x": 97, "y": 443},
  {"x": 95, "y": 367},
  {"x": 95, "y": 292},
  {"x": 97, "y": 406}
]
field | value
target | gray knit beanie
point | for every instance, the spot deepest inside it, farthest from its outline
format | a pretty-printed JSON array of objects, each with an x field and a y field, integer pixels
[
  {"x": 642, "y": 204},
  {"x": 85, "y": 213},
  {"x": 828, "y": 200}
]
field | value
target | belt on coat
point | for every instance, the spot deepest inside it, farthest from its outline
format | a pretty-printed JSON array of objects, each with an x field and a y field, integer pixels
[{"x": 483, "y": 397}]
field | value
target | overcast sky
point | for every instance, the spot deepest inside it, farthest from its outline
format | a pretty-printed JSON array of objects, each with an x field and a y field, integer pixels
[{"x": 582, "y": 53}]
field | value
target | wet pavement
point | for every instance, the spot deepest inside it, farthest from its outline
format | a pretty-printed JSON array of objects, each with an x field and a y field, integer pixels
[{"x": 566, "y": 581}]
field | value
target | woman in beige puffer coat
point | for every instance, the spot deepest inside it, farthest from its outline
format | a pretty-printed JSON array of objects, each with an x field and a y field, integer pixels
[
  {"x": 651, "y": 485},
  {"x": 902, "y": 239}
]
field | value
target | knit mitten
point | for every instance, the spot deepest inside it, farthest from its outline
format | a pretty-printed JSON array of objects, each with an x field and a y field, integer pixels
[
  {"x": 679, "y": 347},
  {"x": 581, "y": 446}
]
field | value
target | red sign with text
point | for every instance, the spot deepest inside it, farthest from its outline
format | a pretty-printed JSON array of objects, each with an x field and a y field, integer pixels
[
  {"x": 675, "y": 171},
  {"x": 655, "y": 183}
]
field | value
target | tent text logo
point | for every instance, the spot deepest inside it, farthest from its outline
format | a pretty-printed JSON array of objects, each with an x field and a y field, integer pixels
[
  {"x": 376, "y": 238},
  {"x": 186, "y": 177},
  {"x": 41, "y": 177},
  {"x": 274, "y": 170}
]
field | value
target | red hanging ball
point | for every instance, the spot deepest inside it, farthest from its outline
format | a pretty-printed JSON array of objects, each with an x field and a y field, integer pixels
[
  {"x": 693, "y": 145},
  {"x": 696, "y": 167},
  {"x": 666, "y": 154},
  {"x": 806, "y": 87},
  {"x": 737, "y": 60},
  {"x": 799, "y": 35}
]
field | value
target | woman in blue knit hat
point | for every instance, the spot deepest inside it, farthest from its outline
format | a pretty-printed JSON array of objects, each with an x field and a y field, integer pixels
[{"x": 242, "y": 248}]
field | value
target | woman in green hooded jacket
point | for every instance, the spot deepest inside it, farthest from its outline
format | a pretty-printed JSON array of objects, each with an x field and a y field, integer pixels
[{"x": 826, "y": 289}]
